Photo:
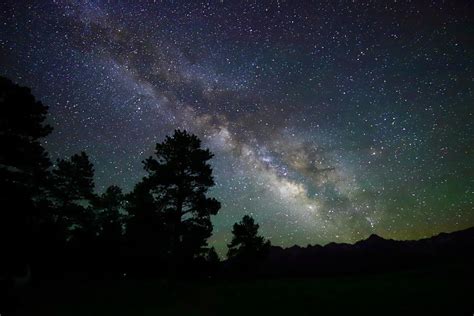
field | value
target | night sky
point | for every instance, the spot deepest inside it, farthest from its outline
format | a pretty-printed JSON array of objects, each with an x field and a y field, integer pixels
[{"x": 329, "y": 120}]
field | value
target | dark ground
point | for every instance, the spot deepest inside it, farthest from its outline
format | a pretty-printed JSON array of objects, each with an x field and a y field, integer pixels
[{"x": 447, "y": 291}]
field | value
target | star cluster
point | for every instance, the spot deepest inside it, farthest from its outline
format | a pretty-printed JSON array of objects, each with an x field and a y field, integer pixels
[{"x": 329, "y": 120}]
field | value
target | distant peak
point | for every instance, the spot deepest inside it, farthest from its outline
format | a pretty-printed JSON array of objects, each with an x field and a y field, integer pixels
[{"x": 375, "y": 237}]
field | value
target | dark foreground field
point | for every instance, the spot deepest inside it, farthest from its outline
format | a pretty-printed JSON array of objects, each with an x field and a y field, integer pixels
[{"x": 404, "y": 293}]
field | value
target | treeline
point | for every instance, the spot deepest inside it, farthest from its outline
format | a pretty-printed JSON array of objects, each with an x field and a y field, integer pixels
[{"x": 53, "y": 222}]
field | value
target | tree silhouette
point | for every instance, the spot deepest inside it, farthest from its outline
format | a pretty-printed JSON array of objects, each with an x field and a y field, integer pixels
[
  {"x": 110, "y": 218},
  {"x": 212, "y": 261},
  {"x": 212, "y": 256},
  {"x": 145, "y": 236},
  {"x": 179, "y": 178},
  {"x": 23, "y": 170},
  {"x": 109, "y": 207},
  {"x": 73, "y": 195},
  {"x": 247, "y": 247}
]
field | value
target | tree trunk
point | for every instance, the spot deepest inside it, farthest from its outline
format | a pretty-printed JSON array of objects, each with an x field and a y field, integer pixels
[{"x": 175, "y": 244}]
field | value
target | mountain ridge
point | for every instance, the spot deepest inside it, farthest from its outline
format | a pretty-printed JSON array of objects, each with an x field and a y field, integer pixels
[
  {"x": 469, "y": 230},
  {"x": 373, "y": 254}
]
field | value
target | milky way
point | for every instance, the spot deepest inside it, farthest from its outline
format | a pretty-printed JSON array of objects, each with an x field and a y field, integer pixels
[{"x": 329, "y": 120}]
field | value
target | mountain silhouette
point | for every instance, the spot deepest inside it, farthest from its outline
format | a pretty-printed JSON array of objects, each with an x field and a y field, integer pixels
[{"x": 371, "y": 255}]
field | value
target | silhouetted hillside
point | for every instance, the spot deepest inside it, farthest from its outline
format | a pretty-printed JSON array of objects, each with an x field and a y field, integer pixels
[{"x": 374, "y": 254}]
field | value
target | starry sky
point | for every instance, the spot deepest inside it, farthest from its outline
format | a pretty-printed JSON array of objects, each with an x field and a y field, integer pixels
[{"x": 329, "y": 120}]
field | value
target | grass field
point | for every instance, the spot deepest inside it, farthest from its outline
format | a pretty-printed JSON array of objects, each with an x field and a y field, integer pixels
[{"x": 407, "y": 293}]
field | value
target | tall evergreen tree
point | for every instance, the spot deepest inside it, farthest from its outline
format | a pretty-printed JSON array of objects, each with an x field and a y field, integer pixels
[
  {"x": 179, "y": 177},
  {"x": 146, "y": 238},
  {"x": 107, "y": 248},
  {"x": 109, "y": 206},
  {"x": 23, "y": 170},
  {"x": 73, "y": 195}
]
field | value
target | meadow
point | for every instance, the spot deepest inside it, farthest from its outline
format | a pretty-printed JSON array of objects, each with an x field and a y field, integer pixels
[{"x": 434, "y": 292}]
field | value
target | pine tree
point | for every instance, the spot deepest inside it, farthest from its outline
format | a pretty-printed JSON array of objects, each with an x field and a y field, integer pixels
[
  {"x": 24, "y": 167},
  {"x": 108, "y": 207},
  {"x": 179, "y": 178},
  {"x": 73, "y": 194},
  {"x": 146, "y": 244}
]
